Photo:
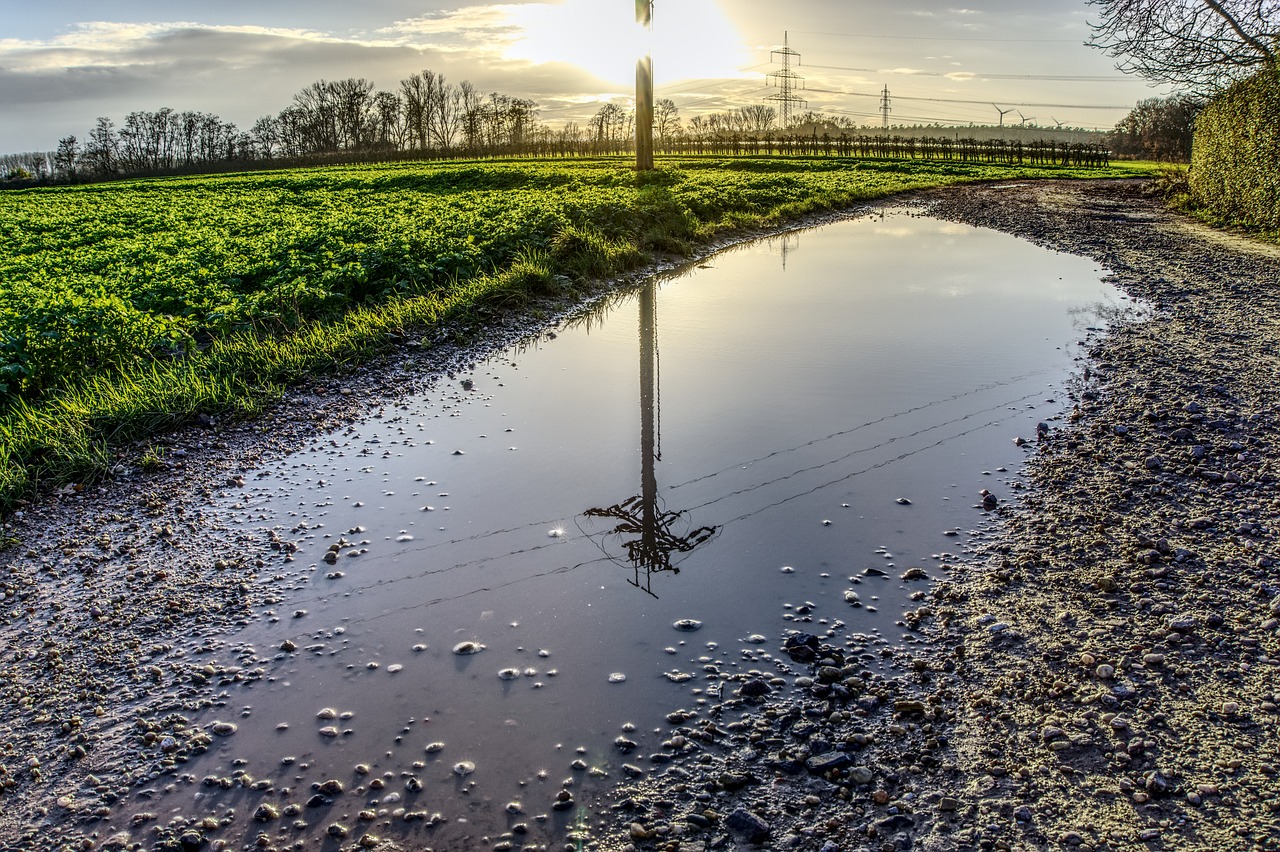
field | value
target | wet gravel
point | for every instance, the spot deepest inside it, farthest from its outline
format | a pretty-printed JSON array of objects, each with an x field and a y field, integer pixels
[
  {"x": 1101, "y": 677},
  {"x": 1104, "y": 675}
]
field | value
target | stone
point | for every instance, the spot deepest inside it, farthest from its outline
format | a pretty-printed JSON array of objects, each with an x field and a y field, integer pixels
[
  {"x": 860, "y": 775},
  {"x": 821, "y": 764},
  {"x": 747, "y": 826}
]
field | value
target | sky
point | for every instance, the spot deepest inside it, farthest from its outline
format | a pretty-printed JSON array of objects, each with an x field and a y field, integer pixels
[{"x": 63, "y": 63}]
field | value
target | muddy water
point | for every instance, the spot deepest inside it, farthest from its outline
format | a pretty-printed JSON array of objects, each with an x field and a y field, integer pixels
[{"x": 739, "y": 445}]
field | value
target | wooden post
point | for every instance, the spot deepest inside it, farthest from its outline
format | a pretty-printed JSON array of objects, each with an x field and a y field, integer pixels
[{"x": 644, "y": 95}]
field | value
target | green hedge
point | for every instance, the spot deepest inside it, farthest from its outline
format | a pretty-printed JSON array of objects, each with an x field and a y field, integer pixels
[{"x": 1235, "y": 160}]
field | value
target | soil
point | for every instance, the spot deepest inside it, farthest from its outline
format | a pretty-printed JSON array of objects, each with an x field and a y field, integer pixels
[{"x": 1103, "y": 675}]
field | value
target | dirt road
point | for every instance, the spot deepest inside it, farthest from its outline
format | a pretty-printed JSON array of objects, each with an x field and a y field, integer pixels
[{"x": 1105, "y": 676}]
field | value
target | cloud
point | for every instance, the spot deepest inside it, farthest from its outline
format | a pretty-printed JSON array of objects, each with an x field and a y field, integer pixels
[{"x": 60, "y": 84}]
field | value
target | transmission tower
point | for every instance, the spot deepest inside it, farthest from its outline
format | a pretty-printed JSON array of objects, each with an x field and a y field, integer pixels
[
  {"x": 885, "y": 108},
  {"x": 786, "y": 80}
]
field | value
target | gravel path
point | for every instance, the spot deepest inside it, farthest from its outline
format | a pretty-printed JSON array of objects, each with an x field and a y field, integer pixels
[
  {"x": 1102, "y": 677},
  {"x": 1105, "y": 676}
]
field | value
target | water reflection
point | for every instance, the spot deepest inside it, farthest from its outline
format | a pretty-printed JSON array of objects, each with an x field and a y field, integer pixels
[{"x": 647, "y": 531}]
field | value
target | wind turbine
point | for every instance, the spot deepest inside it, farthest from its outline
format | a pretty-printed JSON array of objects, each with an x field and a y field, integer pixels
[
  {"x": 1003, "y": 113},
  {"x": 1059, "y": 123},
  {"x": 1025, "y": 120}
]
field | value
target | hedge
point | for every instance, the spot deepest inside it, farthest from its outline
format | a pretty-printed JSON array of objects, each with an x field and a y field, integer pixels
[{"x": 1235, "y": 160}]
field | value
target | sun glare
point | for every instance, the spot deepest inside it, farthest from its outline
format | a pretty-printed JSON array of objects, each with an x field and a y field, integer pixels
[{"x": 690, "y": 39}]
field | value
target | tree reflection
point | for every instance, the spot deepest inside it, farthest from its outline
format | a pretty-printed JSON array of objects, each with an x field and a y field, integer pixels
[{"x": 650, "y": 534}]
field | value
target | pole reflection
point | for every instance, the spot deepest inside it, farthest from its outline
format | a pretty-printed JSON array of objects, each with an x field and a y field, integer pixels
[{"x": 652, "y": 536}]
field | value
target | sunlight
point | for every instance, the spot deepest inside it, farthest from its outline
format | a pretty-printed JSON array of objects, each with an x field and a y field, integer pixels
[{"x": 690, "y": 39}]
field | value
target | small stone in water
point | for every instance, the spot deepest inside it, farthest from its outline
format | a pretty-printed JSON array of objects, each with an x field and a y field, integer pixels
[
  {"x": 787, "y": 569},
  {"x": 555, "y": 533},
  {"x": 432, "y": 748},
  {"x": 464, "y": 767},
  {"x": 688, "y": 625},
  {"x": 468, "y": 647},
  {"x": 756, "y": 639},
  {"x": 509, "y": 674},
  {"x": 617, "y": 677},
  {"x": 678, "y": 677},
  {"x": 903, "y": 501},
  {"x": 394, "y": 667},
  {"x": 544, "y": 653}
]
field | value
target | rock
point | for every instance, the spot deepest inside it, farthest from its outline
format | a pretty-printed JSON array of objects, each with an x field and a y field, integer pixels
[
  {"x": 823, "y": 763},
  {"x": 332, "y": 787},
  {"x": 860, "y": 775},
  {"x": 897, "y": 822},
  {"x": 266, "y": 813},
  {"x": 947, "y": 804},
  {"x": 747, "y": 826}
]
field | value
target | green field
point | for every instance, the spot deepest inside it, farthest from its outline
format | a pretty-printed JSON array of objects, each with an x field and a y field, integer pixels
[{"x": 128, "y": 308}]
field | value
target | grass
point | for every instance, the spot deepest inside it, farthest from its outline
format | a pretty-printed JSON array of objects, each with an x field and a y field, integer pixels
[{"x": 214, "y": 295}]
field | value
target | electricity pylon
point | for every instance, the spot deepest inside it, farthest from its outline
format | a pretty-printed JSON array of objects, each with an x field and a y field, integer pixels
[{"x": 786, "y": 80}]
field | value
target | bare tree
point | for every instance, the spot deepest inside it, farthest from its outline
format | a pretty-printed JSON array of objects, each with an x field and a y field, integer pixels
[
  {"x": 267, "y": 136},
  {"x": 666, "y": 120},
  {"x": 759, "y": 118},
  {"x": 1195, "y": 45},
  {"x": 467, "y": 107},
  {"x": 66, "y": 157}
]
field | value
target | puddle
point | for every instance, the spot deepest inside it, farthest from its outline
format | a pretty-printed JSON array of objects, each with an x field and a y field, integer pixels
[{"x": 614, "y": 519}]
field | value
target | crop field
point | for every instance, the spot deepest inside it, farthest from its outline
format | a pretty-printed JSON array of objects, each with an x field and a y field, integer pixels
[{"x": 127, "y": 308}]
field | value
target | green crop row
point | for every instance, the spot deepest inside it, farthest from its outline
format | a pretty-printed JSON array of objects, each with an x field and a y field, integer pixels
[{"x": 126, "y": 308}]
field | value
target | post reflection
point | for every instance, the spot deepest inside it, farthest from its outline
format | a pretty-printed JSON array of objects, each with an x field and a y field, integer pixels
[{"x": 652, "y": 537}]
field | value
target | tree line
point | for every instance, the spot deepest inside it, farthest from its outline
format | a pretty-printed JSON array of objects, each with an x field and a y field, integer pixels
[{"x": 427, "y": 117}]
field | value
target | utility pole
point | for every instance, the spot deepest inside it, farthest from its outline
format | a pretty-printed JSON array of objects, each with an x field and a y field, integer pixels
[
  {"x": 644, "y": 94},
  {"x": 885, "y": 109},
  {"x": 786, "y": 80}
]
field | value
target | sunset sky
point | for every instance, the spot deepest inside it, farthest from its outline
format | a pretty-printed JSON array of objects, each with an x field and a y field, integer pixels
[{"x": 65, "y": 62}]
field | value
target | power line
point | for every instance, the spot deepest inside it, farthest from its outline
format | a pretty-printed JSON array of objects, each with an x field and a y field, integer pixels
[
  {"x": 961, "y": 101},
  {"x": 943, "y": 38},
  {"x": 1060, "y": 78}
]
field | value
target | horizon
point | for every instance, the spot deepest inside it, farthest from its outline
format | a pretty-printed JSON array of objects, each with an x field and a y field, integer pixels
[{"x": 60, "y": 69}]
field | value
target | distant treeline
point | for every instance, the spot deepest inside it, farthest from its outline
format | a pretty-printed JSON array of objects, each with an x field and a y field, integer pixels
[{"x": 347, "y": 121}]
